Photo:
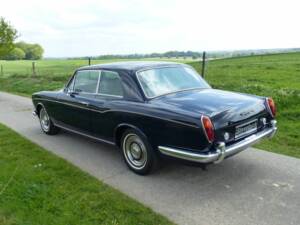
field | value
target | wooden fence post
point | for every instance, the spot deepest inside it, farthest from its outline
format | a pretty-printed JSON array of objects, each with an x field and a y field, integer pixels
[
  {"x": 33, "y": 70},
  {"x": 203, "y": 64}
]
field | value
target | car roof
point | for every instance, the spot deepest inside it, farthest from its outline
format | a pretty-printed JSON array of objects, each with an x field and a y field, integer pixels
[{"x": 131, "y": 65}]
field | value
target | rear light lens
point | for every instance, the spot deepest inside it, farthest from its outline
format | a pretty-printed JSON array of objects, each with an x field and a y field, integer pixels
[
  {"x": 208, "y": 128},
  {"x": 271, "y": 106}
]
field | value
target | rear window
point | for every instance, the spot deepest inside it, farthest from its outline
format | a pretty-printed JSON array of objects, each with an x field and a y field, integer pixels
[{"x": 160, "y": 81}]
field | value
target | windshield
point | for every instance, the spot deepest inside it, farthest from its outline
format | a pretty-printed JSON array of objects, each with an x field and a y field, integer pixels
[{"x": 166, "y": 80}]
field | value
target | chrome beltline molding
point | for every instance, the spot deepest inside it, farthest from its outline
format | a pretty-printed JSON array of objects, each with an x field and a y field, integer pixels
[
  {"x": 221, "y": 150},
  {"x": 105, "y": 111}
]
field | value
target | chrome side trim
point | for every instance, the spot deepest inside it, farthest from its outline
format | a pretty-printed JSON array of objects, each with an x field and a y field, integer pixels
[
  {"x": 83, "y": 134},
  {"x": 221, "y": 151},
  {"x": 105, "y": 111}
]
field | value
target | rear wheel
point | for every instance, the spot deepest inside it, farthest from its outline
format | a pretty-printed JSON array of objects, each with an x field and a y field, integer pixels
[
  {"x": 46, "y": 123},
  {"x": 138, "y": 154}
]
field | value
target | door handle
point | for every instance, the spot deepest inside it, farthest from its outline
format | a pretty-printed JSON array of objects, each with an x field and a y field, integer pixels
[{"x": 85, "y": 103}]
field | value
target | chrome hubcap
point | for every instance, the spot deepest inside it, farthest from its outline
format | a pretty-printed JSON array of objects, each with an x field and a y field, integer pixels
[
  {"x": 45, "y": 121},
  {"x": 135, "y": 151}
]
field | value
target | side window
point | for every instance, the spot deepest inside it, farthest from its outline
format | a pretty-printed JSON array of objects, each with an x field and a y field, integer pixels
[
  {"x": 86, "y": 81},
  {"x": 110, "y": 84}
]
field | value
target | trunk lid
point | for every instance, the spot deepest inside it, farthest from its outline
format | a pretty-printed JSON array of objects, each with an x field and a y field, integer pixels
[
  {"x": 214, "y": 103},
  {"x": 229, "y": 111}
]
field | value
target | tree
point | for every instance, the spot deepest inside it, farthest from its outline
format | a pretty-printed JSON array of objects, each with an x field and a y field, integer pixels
[
  {"x": 15, "y": 54},
  {"x": 35, "y": 51},
  {"x": 32, "y": 51},
  {"x": 8, "y": 35}
]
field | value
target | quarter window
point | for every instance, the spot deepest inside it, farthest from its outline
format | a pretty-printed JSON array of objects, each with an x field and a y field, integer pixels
[
  {"x": 110, "y": 84},
  {"x": 86, "y": 81},
  {"x": 71, "y": 84}
]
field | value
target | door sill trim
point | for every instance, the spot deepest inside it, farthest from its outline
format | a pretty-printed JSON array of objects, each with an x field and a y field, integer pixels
[{"x": 83, "y": 134}]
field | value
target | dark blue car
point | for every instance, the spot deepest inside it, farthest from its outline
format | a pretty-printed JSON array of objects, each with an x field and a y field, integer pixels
[{"x": 155, "y": 109}]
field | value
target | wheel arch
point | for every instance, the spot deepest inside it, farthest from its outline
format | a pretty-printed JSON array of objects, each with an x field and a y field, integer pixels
[
  {"x": 121, "y": 128},
  {"x": 39, "y": 106}
]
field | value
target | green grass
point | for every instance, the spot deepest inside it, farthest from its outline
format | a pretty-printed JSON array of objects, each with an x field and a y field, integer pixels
[
  {"x": 37, "y": 188},
  {"x": 275, "y": 75}
]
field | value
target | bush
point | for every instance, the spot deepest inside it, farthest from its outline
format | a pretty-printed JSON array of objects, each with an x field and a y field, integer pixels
[
  {"x": 15, "y": 54},
  {"x": 32, "y": 51}
]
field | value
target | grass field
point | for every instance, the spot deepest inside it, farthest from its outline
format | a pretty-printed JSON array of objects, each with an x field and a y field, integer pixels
[
  {"x": 37, "y": 188},
  {"x": 269, "y": 75}
]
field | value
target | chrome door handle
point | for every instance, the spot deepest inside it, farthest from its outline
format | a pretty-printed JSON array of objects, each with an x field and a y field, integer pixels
[{"x": 85, "y": 103}]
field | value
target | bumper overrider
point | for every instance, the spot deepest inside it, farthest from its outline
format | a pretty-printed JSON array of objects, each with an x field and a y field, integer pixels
[{"x": 221, "y": 150}]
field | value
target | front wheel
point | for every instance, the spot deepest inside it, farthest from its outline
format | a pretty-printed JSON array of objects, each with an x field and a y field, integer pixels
[
  {"x": 138, "y": 154},
  {"x": 46, "y": 123}
]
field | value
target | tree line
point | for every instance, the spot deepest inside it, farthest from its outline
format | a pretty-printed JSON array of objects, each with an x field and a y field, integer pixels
[
  {"x": 9, "y": 50},
  {"x": 169, "y": 54}
]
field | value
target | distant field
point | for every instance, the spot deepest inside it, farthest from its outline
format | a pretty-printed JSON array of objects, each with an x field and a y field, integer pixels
[
  {"x": 51, "y": 74},
  {"x": 269, "y": 75},
  {"x": 63, "y": 67}
]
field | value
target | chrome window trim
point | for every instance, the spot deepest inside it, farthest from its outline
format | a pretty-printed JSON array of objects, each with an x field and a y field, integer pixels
[
  {"x": 116, "y": 96},
  {"x": 98, "y": 82},
  {"x": 161, "y": 67},
  {"x": 67, "y": 87}
]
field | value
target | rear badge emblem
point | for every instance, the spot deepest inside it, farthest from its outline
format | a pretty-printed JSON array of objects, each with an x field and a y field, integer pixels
[{"x": 247, "y": 113}]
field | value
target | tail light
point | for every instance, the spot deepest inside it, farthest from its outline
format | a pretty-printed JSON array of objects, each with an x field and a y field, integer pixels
[
  {"x": 271, "y": 106},
  {"x": 208, "y": 128}
]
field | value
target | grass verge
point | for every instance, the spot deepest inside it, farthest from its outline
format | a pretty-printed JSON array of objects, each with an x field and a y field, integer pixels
[{"x": 37, "y": 187}]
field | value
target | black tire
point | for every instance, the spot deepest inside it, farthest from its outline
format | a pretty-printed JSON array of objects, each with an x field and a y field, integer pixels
[
  {"x": 138, "y": 153},
  {"x": 47, "y": 125}
]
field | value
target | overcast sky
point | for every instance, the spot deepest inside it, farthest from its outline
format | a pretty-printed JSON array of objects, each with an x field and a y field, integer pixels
[{"x": 96, "y": 27}]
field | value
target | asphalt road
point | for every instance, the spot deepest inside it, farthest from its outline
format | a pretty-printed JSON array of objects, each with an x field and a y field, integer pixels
[{"x": 254, "y": 187}]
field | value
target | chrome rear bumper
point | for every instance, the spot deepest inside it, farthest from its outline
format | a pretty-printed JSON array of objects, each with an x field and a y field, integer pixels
[{"x": 222, "y": 151}]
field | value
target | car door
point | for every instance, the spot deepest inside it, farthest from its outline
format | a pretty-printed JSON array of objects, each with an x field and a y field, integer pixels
[
  {"x": 74, "y": 111},
  {"x": 105, "y": 115}
]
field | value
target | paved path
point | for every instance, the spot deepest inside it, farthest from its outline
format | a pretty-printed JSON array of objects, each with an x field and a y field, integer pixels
[{"x": 254, "y": 187}]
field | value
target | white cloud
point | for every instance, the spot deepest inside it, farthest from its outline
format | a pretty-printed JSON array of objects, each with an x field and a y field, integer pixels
[{"x": 94, "y": 27}]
